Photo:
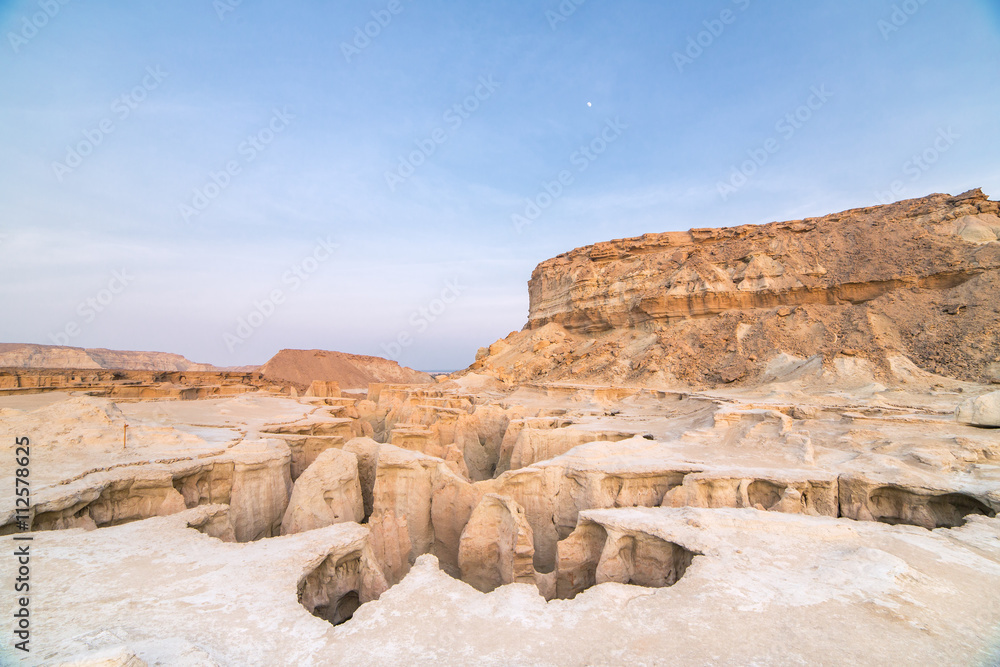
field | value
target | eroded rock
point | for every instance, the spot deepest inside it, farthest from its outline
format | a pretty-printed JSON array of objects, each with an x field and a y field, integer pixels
[
  {"x": 328, "y": 492},
  {"x": 496, "y": 546}
]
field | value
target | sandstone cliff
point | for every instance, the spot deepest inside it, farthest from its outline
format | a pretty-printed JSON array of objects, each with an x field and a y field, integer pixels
[
  {"x": 24, "y": 355},
  {"x": 351, "y": 371},
  {"x": 918, "y": 279}
]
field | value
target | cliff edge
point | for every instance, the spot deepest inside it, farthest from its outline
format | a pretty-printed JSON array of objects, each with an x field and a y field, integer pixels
[{"x": 917, "y": 280}]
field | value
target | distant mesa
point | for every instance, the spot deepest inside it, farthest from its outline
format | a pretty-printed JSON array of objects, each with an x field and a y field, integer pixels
[
  {"x": 350, "y": 371},
  {"x": 27, "y": 355}
]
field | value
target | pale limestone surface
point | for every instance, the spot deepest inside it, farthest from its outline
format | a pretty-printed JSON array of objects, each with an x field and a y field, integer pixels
[
  {"x": 86, "y": 470},
  {"x": 764, "y": 588}
]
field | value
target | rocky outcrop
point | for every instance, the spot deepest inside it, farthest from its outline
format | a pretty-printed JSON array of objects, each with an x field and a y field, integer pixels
[
  {"x": 323, "y": 389},
  {"x": 366, "y": 452},
  {"x": 540, "y": 444},
  {"x": 717, "y": 305},
  {"x": 129, "y": 384},
  {"x": 419, "y": 506},
  {"x": 554, "y": 493},
  {"x": 251, "y": 477},
  {"x": 599, "y": 551},
  {"x": 479, "y": 436},
  {"x": 874, "y": 497},
  {"x": 328, "y": 492},
  {"x": 786, "y": 491},
  {"x": 349, "y": 371},
  {"x": 496, "y": 546},
  {"x": 344, "y": 580}
]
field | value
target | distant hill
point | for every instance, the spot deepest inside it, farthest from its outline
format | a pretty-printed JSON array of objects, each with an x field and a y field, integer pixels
[
  {"x": 27, "y": 355},
  {"x": 351, "y": 371}
]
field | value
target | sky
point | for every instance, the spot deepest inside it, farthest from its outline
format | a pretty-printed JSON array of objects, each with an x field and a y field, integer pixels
[{"x": 224, "y": 178}]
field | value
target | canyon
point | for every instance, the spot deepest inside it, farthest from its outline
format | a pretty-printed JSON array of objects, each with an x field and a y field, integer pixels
[{"x": 765, "y": 444}]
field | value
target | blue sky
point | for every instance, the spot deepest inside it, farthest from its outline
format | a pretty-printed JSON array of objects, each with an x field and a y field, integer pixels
[{"x": 175, "y": 174}]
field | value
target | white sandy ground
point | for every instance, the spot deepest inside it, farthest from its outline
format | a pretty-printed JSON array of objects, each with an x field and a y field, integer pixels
[{"x": 768, "y": 589}]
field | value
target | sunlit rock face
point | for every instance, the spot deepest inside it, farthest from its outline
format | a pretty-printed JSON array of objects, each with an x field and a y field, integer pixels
[{"x": 918, "y": 279}]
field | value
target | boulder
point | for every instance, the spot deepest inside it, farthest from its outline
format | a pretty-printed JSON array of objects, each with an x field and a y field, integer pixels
[{"x": 980, "y": 411}]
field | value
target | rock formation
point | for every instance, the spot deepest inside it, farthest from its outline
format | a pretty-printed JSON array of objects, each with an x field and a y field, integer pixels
[
  {"x": 350, "y": 371},
  {"x": 328, "y": 492},
  {"x": 24, "y": 355},
  {"x": 496, "y": 547},
  {"x": 918, "y": 279}
]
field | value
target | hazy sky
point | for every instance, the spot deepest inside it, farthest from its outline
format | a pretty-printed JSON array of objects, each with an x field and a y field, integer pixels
[{"x": 343, "y": 175}]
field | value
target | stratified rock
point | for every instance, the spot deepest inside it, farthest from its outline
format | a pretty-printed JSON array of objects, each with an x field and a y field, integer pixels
[
  {"x": 496, "y": 546},
  {"x": 23, "y": 355},
  {"x": 794, "y": 492},
  {"x": 918, "y": 279},
  {"x": 328, "y": 492},
  {"x": 596, "y": 553},
  {"x": 419, "y": 506},
  {"x": 401, "y": 516},
  {"x": 980, "y": 411},
  {"x": 887, "y": 498}
]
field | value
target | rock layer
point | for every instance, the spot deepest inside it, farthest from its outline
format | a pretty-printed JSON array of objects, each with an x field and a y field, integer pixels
[
  {"x": 26, "y": 355},
  {"x": 918, "y": 279}
]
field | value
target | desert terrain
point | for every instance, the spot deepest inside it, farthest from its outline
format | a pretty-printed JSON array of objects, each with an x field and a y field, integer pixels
[{"x": 774, "y": 444}]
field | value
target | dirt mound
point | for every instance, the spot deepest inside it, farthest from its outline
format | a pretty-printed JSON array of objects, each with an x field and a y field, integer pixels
[
  {"x": 918, "y": 279},
  {"x": 351, "y": 371}
]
